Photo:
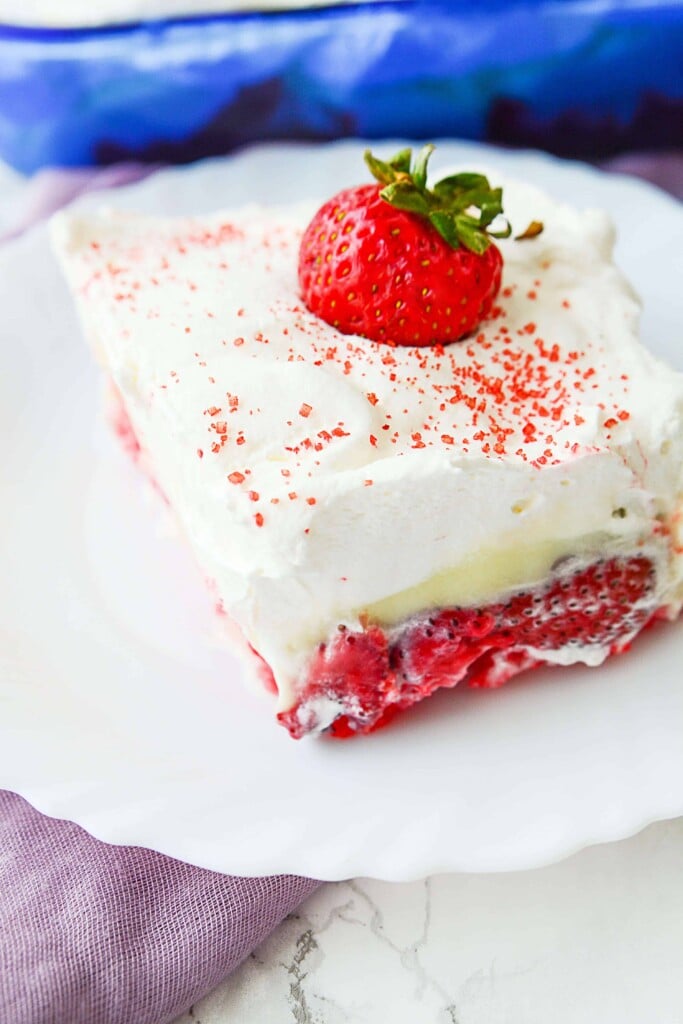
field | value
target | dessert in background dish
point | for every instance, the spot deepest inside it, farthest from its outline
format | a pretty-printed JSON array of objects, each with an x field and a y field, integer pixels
[
  {"x": 82, "y": 13},
  {"x": 171, "y": 81},
  {"x": 383, "y": 518}
]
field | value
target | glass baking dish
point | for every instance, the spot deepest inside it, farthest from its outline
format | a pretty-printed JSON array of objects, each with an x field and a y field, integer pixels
[{"x": 578, "y": 78}]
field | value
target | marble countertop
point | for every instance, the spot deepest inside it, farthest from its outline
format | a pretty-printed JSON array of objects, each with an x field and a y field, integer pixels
[{"x": 596, "y": 939}]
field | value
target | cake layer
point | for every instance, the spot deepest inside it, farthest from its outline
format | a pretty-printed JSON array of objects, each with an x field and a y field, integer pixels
[{"x": 325, "y": 480}]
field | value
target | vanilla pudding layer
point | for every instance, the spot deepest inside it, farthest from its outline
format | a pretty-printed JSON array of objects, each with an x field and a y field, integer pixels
[{"x": 322, "y": 478}]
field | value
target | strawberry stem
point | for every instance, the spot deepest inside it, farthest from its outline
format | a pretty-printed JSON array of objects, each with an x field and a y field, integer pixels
[{"x": 461, "y": 207}]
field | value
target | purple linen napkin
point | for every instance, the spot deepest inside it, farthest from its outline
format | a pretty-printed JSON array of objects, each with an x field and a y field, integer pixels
[
  {"x": 662, "y": 169},
  {"x": 99, "y": 934},
  {"x": 49, "y": 190}
]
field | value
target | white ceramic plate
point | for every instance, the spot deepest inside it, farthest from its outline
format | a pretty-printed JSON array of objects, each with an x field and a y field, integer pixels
[{"x": 120, "y": 709}]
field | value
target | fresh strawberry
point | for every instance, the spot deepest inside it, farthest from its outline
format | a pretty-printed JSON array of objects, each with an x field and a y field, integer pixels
[
  {"x": 401, "y": 263},
  {"x": 370, "y": 676}
]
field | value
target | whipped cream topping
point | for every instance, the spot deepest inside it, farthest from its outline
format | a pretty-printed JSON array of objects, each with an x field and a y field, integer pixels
[
  {"x": 320, "y": 476},
  {"x": 82, "y": 13}
]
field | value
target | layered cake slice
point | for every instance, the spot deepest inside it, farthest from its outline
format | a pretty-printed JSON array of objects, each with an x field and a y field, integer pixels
[{"x": 404, "y": 453}]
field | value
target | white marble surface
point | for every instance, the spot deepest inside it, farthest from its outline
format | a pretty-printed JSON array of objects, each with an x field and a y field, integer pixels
[{"x": 596, "y": 939}]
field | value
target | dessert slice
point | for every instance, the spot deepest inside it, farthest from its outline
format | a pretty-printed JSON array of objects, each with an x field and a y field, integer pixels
[{"x": 384, "y": 510}]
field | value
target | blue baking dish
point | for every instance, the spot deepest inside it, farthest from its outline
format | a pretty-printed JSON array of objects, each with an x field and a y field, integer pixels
[{"x": 575, "y": 77}]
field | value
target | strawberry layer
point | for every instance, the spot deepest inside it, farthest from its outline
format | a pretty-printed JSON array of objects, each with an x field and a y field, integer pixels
[
  {"x": 359, "y": 680},
  {"x": 121, "y": 424}
]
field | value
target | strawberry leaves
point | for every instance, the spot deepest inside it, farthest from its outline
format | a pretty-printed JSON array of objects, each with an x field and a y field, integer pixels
[
  {"x": 461, "y": 207},
  {"x": 386, "y": 173},
  {"x": 420, "y": 169},
  {"x": 532, "y": 231}
]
